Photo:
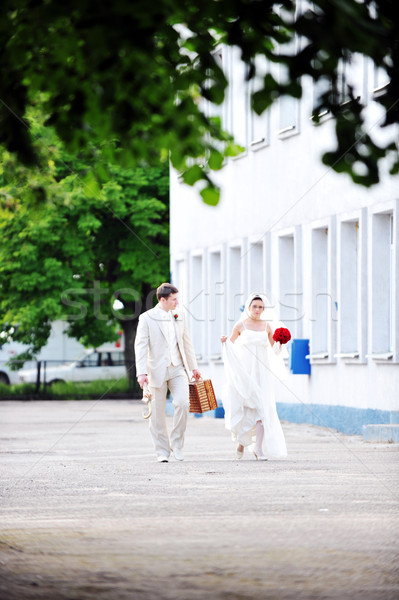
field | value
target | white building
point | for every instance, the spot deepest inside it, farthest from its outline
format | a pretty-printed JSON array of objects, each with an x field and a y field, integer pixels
[{"x": 323, "y": 249}]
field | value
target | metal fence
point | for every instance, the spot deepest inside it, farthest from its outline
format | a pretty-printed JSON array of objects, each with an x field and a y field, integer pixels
[{"x": 43, "y": 374}]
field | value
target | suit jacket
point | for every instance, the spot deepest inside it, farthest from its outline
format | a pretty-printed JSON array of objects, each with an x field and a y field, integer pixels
[{"x": 152, "y": 351}]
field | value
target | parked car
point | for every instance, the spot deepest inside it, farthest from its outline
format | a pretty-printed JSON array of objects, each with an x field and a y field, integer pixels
[
  {"x": 6, "y": 375},
  {"x": 92, "y": 365}
]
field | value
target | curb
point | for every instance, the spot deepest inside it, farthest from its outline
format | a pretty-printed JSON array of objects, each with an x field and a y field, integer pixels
[{"x": 381, "y": 433}]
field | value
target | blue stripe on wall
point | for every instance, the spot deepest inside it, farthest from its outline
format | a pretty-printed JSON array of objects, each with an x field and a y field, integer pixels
[{"x": 344, "y": 418}]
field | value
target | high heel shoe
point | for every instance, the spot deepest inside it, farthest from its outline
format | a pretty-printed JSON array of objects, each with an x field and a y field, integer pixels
[
  {"x": 239, "y": 453},
  {"x": 257, "y": 455}
]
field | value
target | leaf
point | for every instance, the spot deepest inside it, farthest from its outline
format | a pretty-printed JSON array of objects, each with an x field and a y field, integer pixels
[
  {"x": 215, "y": 160},
  {"x": 210, "y": 195},
  {"x": 233, "y": 149},
  {"x": 192, "y": 174},
  {"x": 260, "y": 101},
  {"x": 91, "y": 185}
]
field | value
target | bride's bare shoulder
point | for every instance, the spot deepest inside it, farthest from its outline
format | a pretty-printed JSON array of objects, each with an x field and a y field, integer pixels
[{"x": 238, "y": 327}]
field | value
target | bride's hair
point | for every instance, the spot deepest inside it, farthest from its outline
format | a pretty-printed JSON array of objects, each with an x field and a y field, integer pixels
[{"x": 257, "y": 298}]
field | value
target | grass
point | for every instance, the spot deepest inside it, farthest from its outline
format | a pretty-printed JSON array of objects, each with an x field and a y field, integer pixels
[
  {"x": 107, "y": 388},
  {"x": 22, "y": 389}
]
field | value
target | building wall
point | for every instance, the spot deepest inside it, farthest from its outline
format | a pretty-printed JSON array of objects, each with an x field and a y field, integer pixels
[{"x": 324, "y": 250}]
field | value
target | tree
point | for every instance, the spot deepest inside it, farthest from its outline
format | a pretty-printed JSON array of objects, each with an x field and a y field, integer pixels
[
  {"x": 130, "y": 77},
  {"x": 70, "y": 248}
]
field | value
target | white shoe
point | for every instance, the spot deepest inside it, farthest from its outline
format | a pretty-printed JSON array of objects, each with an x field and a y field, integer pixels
[
  {"x": 239, "y": 453},
  {"x": 258, "y": 456},
  {"x": 178, "y": 453},
  {"x": 161, "y": 458}
]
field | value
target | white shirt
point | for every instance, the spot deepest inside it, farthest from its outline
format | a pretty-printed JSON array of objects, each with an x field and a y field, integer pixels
[{"x": 169, "y": 330}]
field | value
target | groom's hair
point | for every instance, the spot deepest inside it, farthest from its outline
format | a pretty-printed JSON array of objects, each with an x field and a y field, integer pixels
[{"x": 165, "y": 290}]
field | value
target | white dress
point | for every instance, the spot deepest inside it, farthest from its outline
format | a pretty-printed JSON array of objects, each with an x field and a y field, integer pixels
[{"x": 251, "y": 369}]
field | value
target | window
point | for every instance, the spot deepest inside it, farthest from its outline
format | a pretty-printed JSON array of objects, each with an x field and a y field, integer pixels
[
  {"x": 342, "y": 80},
  {"x": 196, "y": 305},
  {"x": 216, "y": 110},
  {"x": 288, "y": 106},
  {"x": 320, "y": 87},
  {"x": 288, "y": 115},
  {"x": 320, "y": 293},
  {"x": 380, "y": 81},
  {"x": 348, "y": 67},
  {"x": 391, "y": 284},
  {"x": 287, "y": 294},
  {"x": 210, "y": 109},
  {"x": 239, "y": 100},
  {"x": 116, "y": 358},
  {"x": 382, "y": 283},
  {"x": 216, "y": 299},
  {"x": 92, "y": 360},
  {"x": 260, "y": 124},
  {"x": 235, "y": 299},
  {"x": 255, "y": 267},
  {"x": 179, "y": 277},
  {"x": 349, "y": 282}
]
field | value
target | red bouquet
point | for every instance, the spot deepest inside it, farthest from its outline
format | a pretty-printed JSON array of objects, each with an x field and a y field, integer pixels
[{"x": 282, "y": 335}]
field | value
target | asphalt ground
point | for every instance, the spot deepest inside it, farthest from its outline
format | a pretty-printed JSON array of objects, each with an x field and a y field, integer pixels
[{"x": 88, "y": 513}]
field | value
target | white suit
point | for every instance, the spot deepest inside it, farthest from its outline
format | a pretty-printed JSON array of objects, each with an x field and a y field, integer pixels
[{"x": 164, "y": 352}]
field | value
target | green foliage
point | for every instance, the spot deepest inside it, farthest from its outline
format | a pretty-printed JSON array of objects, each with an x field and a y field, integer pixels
[
  {"x": 8, "y": 392},
  {"x": 126, "y": 81},
  {"x": 210, "y": 195},
  {"x": 94, "y": 389},
  {"x": 70, "y": 252},
  {"x": 69, "y": 390}
]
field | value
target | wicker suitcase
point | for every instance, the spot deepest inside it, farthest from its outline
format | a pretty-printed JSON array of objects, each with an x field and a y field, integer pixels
[{"x": 202, "y": 396}]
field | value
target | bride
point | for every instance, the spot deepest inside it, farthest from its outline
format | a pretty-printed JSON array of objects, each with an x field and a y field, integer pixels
[{"x": 251, "y": 368}]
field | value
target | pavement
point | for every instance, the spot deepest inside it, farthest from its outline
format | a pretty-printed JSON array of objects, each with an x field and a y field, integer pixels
[{"x": 88, "y": 513}]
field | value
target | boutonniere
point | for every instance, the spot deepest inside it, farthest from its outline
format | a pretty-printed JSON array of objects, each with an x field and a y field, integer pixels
[{"x": 175, "y": 316}]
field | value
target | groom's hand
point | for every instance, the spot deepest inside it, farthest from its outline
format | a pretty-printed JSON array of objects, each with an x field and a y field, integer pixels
[
  {"x": 142, "y": 379},
  {"x": 196, "y": 374}
]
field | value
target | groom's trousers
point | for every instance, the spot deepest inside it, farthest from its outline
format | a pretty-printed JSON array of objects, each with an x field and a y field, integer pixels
[{"x": 177, "y": 382}]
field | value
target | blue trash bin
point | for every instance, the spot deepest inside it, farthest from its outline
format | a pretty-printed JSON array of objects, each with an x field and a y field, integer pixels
[
  {"x": 299, "y": 364},
  {"x": 219, "y": 411}
]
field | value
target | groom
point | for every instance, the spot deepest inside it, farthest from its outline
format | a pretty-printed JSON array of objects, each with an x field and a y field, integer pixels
[{"x": 164, "y": 359}]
